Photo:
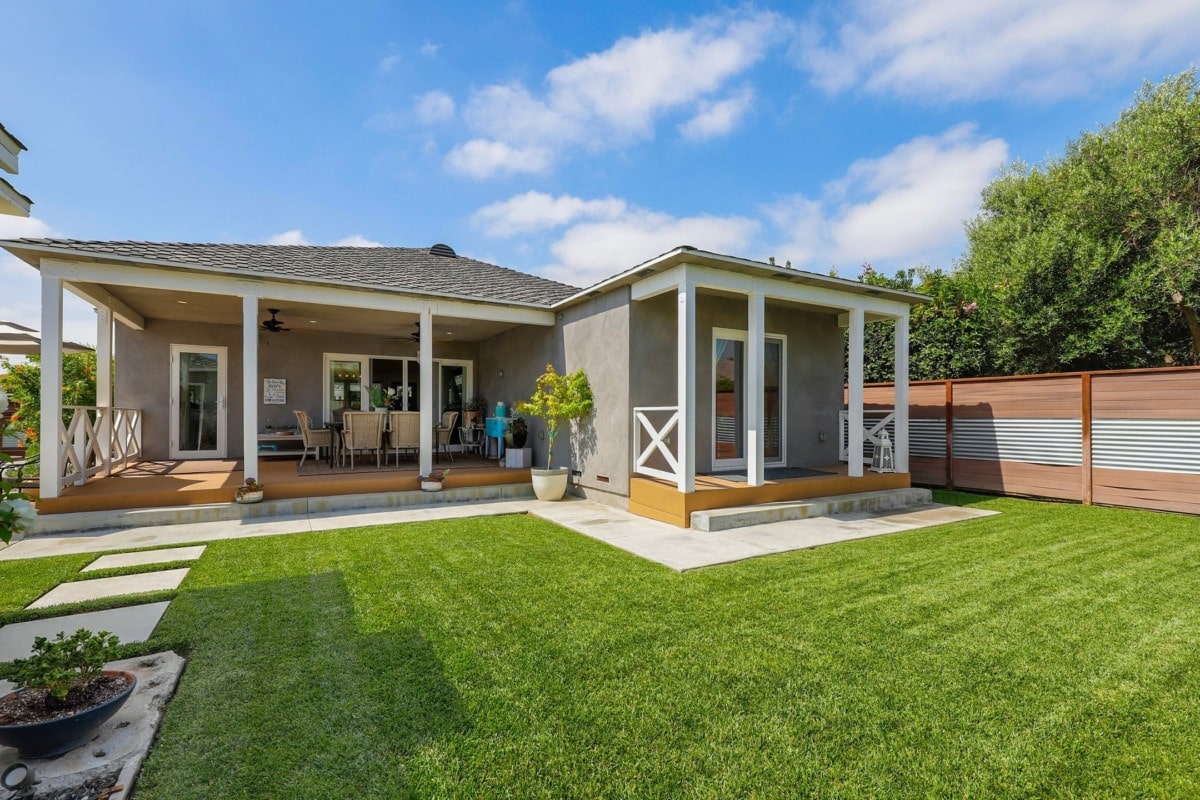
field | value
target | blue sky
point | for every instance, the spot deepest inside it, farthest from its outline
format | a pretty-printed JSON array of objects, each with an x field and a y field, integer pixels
[{"x": 569, "y": 139}]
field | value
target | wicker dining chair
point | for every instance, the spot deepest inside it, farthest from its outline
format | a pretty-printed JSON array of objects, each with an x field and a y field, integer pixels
[
  {"x": 444, "y": 431},
  {"x": 364, "y": 431},
  {"x": 314, "y": 438},
  {"x": 405, "y": 432}
]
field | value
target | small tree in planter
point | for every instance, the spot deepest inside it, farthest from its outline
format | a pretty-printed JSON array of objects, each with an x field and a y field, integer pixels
[
  {"x": 556, "y": 399},
  {"x": 66, "y": 694}
]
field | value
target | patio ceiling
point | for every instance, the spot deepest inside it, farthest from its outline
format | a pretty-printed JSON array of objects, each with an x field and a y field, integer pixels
[{"x": 299, "y": 317}]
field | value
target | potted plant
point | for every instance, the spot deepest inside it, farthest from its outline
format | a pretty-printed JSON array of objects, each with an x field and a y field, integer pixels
[
  {"x": 17, "y": 511},
  {"x": 65, "y": 693},
  {"x": 518, "y": 433},
  {"x": 433, "y": 481},
  {"x": 477, "y": 408},
  {"x": 250, "y": 492},
  {"x": 556, "y": 399}
]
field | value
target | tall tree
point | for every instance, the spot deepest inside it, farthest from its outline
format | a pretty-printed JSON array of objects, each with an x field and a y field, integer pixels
[{"x": 1095, "y": 258}]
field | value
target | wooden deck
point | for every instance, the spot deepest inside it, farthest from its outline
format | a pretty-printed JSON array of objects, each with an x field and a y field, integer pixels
[
  {"x": 661, "y": 500},
  {"x": 162, "y": 484}
]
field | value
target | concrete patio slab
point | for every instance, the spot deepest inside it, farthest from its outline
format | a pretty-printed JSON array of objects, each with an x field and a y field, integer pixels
[
  {"x": 145, "y": 557},
  {"x": 130, "y": 624},
  {"x": 79, "y": 591},
  {"x": 676, "y": 548}
]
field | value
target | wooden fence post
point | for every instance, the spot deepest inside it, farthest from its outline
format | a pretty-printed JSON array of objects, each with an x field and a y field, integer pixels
[
  {"x": 1085, "y": 387},
  {"x": 950, "y": 434}
]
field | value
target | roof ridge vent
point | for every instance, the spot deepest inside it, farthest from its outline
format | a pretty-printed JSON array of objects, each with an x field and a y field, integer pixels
[{"x": 444, "y": 250}]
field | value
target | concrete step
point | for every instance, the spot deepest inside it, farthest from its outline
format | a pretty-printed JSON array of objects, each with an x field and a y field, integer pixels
[{"x": 724, "y": 519}]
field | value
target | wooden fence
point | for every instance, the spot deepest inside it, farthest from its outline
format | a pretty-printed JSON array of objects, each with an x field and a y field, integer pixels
[{"x": 1123, "y": 438}]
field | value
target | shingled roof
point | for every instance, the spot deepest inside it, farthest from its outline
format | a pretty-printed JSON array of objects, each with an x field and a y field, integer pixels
[{"x": 400, "y": 269}]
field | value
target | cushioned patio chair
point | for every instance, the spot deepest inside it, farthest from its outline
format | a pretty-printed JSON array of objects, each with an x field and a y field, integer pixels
[
  {"x": 444, "y": 431},
  {"x": 314, "y": 438},
  {"x": 404, "y": 432},
  {"x": 364, "y": 432}
]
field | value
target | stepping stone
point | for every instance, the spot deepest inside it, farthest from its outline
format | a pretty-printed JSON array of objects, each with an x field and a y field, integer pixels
[
  {"x": 130, "y": 624},
  {"x": 97, "y": 588},
  {"x": 146, "y": 557}
]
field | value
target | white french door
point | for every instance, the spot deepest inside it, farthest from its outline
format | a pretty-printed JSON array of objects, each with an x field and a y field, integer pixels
[
  {"x": 199, "y": 401},
  {"x": 729, "y": 399}
]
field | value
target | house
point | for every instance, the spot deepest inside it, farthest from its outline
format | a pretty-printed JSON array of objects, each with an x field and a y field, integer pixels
[
  {"x": 11, "y": 201},
  {"x": 709, "y": 371}
]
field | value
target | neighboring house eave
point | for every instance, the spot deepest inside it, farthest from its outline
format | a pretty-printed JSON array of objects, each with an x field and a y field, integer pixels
[
  {"x": 10, "y": 149},
  {"x": 690, "y": 255},
  {"x": 33, "y": 254},
  {"x": 13, "y": 202}
]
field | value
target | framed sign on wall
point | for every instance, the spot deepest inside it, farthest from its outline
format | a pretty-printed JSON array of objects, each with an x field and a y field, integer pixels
[{"x": 274, "y": 391}]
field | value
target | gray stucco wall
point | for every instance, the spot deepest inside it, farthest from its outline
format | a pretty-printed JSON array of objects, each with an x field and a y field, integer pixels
[
  {"x": 814, "y": 369},
  {"x": 143, "y": 378}
]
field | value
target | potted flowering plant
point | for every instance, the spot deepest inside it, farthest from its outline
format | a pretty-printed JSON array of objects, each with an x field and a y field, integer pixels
[
  {"x": 250, "y": 492},
  {"x": 17, "y": 511},
  {"x": 433, "y": 481},
  {"x": 65, "y": 693}
]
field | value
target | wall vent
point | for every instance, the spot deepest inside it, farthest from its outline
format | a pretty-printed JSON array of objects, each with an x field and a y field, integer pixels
[{"x": 443, "y": 250}]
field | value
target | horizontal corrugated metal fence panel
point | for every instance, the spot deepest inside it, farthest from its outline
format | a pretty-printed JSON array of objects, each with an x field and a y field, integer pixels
[
  {"x": 1031, "y": 441},
  {"x": 927, "y": 437},
  {"x": 1155, "y": 445}
]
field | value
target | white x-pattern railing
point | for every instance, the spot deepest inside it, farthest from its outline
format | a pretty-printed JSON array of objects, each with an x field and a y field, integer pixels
[
  {"x": 874, "y": 424},
  {"x": 657, "y": 447},
  {"x": 96, "y": 441}
]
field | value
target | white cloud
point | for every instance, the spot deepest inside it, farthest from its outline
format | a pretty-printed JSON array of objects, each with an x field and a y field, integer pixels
[
  {"x": 589, "y": 252},
  {"x": 481, "y": 158},
  {"x": 388, "y": 63},
  {"x": 951, "y": 50},
  {"x": 906, "y": 207},
  {"x": 717, "y": 118},
  {"x": 617, "y": 96},
  {"x": 289, "y": 237},
  {"x": 429, "y": 49},
  {"x": 296, "y": 237},
  {"x": 433, "y": 107},
  {"x": 21, "y": 300},
  {"x": 356, "y": 240},
  {"x": 535, "y": 211}
]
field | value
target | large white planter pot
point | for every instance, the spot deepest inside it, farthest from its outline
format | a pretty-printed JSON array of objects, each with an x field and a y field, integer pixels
[{"x": 549, "y": 484}]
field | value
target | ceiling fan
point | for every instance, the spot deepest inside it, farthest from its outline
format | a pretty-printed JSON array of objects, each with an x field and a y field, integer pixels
[
  {"x": 274, "y": 325},
  {"x": 415, "y": 336}
]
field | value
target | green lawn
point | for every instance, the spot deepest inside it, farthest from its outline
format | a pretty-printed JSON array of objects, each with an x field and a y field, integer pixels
[{"x": 1049, "y": 651}]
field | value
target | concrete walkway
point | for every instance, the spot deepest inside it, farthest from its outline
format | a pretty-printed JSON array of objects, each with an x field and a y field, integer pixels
[{"x": 676, "y": 548}]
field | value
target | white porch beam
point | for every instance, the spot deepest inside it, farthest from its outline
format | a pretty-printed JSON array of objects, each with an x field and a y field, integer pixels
[
  {"x": 686, "y": 382},
  {"x": 755, "y": 380},
  {"x": 425, "y": 350},
  {"x": 855, "y": 381},
  {"x": 98, "y": 297},
  {"x": 177, "y": 280},
  {"x": 104, "y": 385},
  {"x": 901, "y": 394},
  {"x": 51, "y": 389},
  {"x": 249, "y": 386},
  {"x": 659, "y": 283},
  {"x": 771, "y": 288}
]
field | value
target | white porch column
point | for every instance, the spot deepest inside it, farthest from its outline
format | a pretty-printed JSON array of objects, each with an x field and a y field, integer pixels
[
  {"x": 685, "y": 391},
  {"x": 901, "y": 394},
  {"x": 755, "y": 379},
  {"x": 250, "y": 386},
  {"x": 855, "y": 381},
  {"x": 425, "y": 350},
  {"x": 51, "y": 401},
  {"x": 104, "y": 385}
]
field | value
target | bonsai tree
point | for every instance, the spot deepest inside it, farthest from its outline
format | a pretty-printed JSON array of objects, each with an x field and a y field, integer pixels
[
  {"x": 61, "y": 669},
  {"x": 558, "y": 399}
]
